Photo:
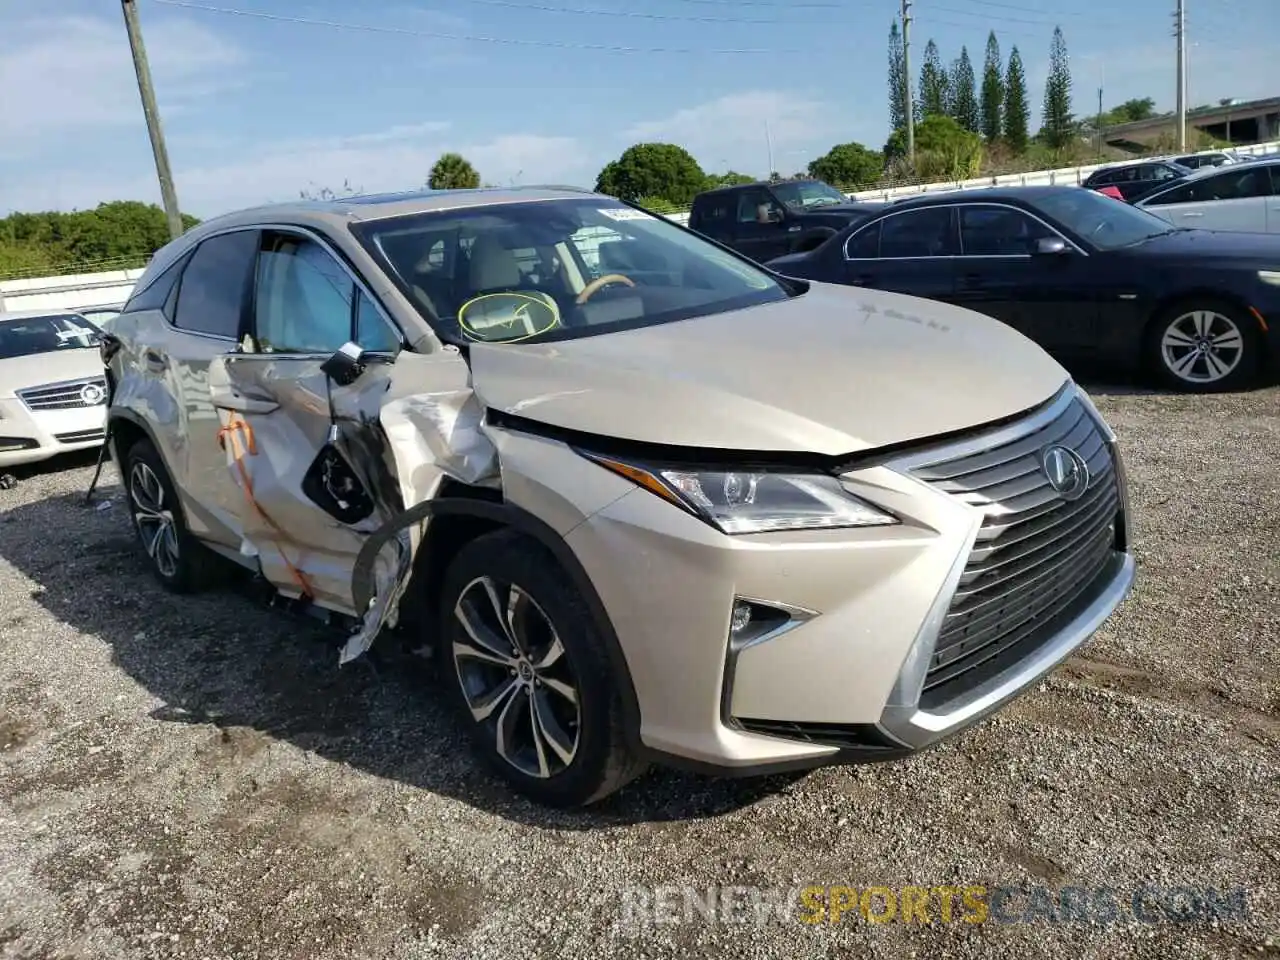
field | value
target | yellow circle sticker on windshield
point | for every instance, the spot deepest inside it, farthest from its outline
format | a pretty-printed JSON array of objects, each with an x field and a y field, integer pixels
[{"x": 508, "y": 317}]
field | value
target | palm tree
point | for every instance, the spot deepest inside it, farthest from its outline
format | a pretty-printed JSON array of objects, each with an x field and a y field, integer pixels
[{"x": 453, "y": 172}]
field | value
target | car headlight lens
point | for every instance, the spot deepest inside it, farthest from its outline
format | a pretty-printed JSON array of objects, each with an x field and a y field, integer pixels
[
  {"x": 745, "y": 501},
  {"x": 1270, "y": 276}
]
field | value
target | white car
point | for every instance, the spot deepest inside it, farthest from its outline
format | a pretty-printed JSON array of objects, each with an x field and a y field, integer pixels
[
  {"x": 1237, "y": 197},
  {"x": 53, "y": 389}
]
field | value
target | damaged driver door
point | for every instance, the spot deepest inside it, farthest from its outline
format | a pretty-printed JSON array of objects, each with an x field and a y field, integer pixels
[{"x": 305, "y": 512}]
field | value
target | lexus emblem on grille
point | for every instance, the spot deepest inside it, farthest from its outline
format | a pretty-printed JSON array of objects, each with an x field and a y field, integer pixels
[
  {"x": 1066, "y": 472},
  {"x": 91, "y": 394}
]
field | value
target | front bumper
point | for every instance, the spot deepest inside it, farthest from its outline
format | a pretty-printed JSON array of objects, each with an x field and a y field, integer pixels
[
  {"x": 30, "y": 435},
  {"x": 867, "y": 656}
]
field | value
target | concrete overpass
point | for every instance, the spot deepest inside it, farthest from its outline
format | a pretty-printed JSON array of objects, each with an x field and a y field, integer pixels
[{"x": 1252, "y": 121}]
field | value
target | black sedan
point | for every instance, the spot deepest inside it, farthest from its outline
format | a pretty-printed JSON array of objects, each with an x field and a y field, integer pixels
[{"x": 1084, "y": 276}]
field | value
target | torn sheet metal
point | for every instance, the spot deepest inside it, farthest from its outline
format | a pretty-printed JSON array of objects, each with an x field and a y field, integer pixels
[{"x": 426, "y": 435}]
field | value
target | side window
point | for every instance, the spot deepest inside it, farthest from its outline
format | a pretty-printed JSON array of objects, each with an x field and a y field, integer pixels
[
  {"x": 757, "y": 206},
  {"x": 714, "y": 210},
  {"x": 865, "y": 244},
  {"x": 212, "y": 290},
  {"x": 156, "y": 294},
  {"x": 304, "y": 301},
  {"x": 988, "y": 231},
  {"x": 372, "y": 332},
  {"x": 1235, "y": 185},
  {"x": 918, "y": 233},
  {"x": 1182, "y": 194},
  {"x": 1157, "y": 172},
  {"x": 1104, "y": 178}
]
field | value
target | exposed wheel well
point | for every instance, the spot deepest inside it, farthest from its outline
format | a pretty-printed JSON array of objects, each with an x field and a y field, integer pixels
[
  {"x": 447, "y": 535},
  {"x": 125, "y": 433}
]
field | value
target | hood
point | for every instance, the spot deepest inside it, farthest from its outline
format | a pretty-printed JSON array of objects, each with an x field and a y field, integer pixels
[
  {"x": 19, "y": 373},
  {"x": 1241, "y": 248},
  {"x": 835, "y": 371}
]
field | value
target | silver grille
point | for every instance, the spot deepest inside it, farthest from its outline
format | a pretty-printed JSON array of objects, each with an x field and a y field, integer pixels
[
  {"x": 68, "y": 395},
  {"x": 1036, "y": 555}
]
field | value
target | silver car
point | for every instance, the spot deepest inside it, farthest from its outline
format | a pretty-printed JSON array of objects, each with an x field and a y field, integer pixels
[
  {"x": 645, "y": 500},
  {"x": 52, "y": 391}
]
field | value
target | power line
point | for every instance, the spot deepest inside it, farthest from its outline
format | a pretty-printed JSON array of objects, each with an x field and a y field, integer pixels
[
  {"x": 470, "y": 38},
  {"x": 584, "y": 11}
]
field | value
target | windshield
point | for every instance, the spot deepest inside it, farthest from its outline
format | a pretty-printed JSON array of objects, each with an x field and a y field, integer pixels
[
  {"x": 802, "y": 194},
  {"x": 1101, "y": 221},
  {"x": 27, "y": 336},
  {"x": 558, "y": 270}
]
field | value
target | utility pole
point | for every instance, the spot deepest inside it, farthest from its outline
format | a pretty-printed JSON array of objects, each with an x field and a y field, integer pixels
[
  {"x": 768, "y": 139},
  {"x": 1100, "y": 137},
  {"x": 152, "y": 114},
  {"x": 1181, "y": 33},
  {"x": 906, "y": 79}
]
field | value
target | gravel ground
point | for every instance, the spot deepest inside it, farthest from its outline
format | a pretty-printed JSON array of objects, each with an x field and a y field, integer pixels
[{"x": 196, "y": 778}]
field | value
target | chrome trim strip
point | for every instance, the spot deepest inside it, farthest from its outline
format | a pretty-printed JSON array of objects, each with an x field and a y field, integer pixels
[
  {"x": 919, "y": 728},
  {"x": 798, "y": 617},
  {"x": 1053, "y": 408}
]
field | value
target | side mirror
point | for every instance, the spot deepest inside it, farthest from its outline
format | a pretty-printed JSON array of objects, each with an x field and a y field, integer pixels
[
  {"x": 1051, "y": 247},
  {"x": 345, "y": 366}
]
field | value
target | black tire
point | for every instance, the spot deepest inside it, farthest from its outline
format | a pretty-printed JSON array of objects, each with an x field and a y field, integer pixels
[
  {"x": 1231, "y": 334},
  {"x": 193, "y": 567},
  {"x": 601, "y": 760}
]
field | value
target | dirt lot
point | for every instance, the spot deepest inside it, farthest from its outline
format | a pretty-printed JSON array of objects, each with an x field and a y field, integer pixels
[{"x": 196, "y": 778}]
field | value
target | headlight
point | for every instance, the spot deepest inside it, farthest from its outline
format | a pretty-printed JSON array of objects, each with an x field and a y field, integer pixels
[
  {"x": 1270, "y": 276},
  {"x": 754, "y": 502}
]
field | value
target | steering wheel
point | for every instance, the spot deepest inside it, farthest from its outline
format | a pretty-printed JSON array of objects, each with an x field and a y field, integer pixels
[{"x": 598, "y": 284}]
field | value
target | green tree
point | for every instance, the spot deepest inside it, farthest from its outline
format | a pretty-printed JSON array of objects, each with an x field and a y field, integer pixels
[
  {"x": 963, "y": 95},
  {"x": 897, "y": 78},
  {"x": 848, "y": 164},
  {"x": 1131, "y": 111},
  {"x": 453, "y": 172},
  {"x": 933, "y": 84},
  {"x": 944, "y": 149},
  {"x": 653, "y": 170},
  {"x": 114, "y": 235},
  {"x": 730, "y": 179},
  {"x": 992, "y": 91},
  {"x": 1016, "y": 114},
  {"x": 1058, "y": 128}
]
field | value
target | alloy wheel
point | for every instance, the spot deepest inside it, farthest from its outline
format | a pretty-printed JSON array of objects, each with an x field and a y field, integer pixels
[
  {"x": 516, "y": 677},
  {"x": 154, "y": 519},
  {"x": 1202, "y": 346}
]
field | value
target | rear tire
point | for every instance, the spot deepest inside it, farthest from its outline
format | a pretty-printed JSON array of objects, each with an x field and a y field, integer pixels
[
  {"x": 1204, "y": 345},
  {"x": 177, "y": 559},
  {"x": 523, "y": 660}
]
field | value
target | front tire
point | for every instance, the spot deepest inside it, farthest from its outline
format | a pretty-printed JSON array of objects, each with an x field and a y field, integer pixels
[
  {"x": 1204, "y": 346},
  {"x": 527, "y": 668}
]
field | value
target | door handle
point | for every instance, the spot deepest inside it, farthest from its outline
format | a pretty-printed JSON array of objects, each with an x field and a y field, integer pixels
[
  {"x": 860, "y": 280},
  {"x": 971, "y": 280},
  {"x": 227, "y": 399}
]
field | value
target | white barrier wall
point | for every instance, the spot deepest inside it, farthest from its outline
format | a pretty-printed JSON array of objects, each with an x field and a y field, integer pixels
[
  {"x": 74, "y": 292},
  {"x": 105, "y": 289}
]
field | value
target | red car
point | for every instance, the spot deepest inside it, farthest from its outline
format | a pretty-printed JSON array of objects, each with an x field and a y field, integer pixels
[{"x": 1110, "y": 191}]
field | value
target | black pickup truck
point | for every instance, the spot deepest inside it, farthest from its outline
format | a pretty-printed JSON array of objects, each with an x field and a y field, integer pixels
[{"x": 767, "y": 220}]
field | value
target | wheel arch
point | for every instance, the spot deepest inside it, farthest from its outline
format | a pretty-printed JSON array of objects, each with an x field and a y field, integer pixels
[
  {"x": 1164, "y": 305},
  {"x": 475, "y": 511}
]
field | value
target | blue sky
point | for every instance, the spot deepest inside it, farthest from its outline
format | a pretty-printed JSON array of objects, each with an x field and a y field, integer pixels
[{"x": 257, "y": 109}]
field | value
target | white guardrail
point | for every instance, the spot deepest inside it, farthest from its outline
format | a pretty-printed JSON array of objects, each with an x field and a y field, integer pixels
[{"x": 84, "y": 290}]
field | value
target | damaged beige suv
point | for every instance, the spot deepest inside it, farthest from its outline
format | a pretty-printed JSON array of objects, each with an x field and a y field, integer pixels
[{"x": 644, "y": 499}]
